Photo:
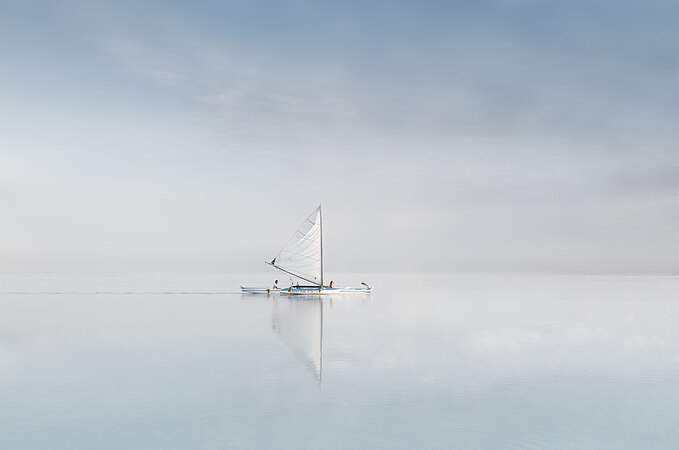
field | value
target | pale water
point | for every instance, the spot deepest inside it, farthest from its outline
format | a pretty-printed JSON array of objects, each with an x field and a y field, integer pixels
[{"x": 429, "y": 361}]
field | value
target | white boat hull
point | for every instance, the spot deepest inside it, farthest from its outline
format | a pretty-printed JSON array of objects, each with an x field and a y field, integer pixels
[{"x": 305, "y": 290}]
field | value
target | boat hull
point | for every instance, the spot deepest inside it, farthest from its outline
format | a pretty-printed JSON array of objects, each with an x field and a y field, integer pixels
[
  {"x": 258, "y": 290},
  {"x": 305, "y": 290}
]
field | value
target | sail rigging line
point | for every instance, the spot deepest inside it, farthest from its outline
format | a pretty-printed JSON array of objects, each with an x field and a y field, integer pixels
[{"x": 293, "y": 274}]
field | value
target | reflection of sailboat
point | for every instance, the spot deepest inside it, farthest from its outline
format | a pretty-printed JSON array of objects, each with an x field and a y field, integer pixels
[
  {"x": 302, "y": 257},
  {"x": 299, "y": 323}
]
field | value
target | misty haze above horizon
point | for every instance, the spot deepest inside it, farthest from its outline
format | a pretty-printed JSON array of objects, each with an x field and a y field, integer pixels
[{"x": 438, "y": 136}]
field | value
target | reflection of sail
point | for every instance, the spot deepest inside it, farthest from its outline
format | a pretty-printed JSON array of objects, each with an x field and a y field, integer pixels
[{"x": 299, "y": 323}]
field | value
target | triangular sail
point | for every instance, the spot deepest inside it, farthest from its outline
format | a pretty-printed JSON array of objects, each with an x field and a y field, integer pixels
[{"x": 302, "y": 256}]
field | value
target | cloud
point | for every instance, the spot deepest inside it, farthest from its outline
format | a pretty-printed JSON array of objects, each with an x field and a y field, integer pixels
[{"x": 531, "y": 72}]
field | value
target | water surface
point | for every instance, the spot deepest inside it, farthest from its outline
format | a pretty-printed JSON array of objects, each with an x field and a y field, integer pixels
[{"x": 183, "y": 361}]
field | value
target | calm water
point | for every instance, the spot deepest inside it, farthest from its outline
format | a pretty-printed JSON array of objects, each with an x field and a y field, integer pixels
[{"x": 163, "y": 361}]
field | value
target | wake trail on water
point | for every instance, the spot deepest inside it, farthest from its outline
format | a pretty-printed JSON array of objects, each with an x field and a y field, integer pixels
[{"x": 115, "y": 293}]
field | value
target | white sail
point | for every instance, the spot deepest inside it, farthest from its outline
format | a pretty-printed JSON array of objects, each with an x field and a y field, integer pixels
[{"x": 302, "y": 256}]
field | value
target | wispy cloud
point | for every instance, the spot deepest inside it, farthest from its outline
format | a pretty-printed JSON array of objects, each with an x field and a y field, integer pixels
[{"x": 576, "y": 77}]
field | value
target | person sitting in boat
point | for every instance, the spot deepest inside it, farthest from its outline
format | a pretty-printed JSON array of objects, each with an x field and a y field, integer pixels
[
  {"x": 332, "y": 284},
  {"x": 275, "y": 285}
]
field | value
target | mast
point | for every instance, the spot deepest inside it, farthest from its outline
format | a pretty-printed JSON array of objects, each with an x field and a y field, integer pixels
[{"x": 320, "y": 214}]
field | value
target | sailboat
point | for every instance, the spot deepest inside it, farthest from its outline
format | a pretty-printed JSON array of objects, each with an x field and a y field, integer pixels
[{"x": 302, "y": 258}]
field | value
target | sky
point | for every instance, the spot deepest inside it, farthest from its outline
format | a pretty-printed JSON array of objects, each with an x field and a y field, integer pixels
[{"x": 486, "y": 135}]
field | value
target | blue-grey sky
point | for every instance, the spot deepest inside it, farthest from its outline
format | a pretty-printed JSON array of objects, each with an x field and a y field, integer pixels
[{"x": 460, "y": 135}]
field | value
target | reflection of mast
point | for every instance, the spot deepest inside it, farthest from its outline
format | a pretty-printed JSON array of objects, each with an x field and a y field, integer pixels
[
  {"x": 299, "y": 324},
  {"x": 320, "y": 346}
]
